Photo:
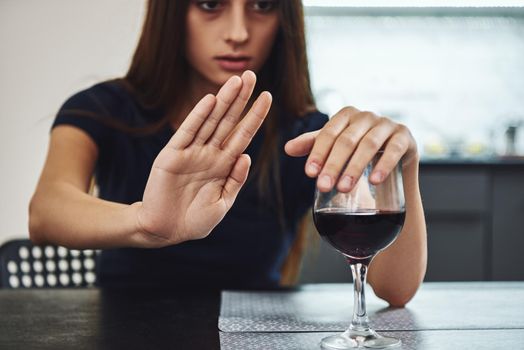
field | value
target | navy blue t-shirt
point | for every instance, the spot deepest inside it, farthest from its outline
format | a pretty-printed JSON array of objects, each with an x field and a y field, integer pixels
[{"x": 245, "y": 250}]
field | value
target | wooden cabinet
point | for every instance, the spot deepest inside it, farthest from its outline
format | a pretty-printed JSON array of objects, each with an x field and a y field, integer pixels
[
  {"x": 456, "y": 205},
  {"x": 508, "y": 225},
  {"x": 475, "y": 219}
]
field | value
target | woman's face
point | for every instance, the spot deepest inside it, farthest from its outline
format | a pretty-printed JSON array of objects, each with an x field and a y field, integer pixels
[{"x": 227, "y": 37}]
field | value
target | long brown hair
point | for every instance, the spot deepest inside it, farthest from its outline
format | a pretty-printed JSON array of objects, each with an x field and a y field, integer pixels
[
  {"x": 158, "y": 70},
  {"x": 158, "y": 74}
]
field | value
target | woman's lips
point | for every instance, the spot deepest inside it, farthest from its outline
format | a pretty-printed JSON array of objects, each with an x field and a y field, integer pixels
[{"x": 232, "y": 63}]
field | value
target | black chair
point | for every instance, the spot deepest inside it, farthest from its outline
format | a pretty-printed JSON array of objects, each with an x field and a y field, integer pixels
[{"x": 25, "y": 265}]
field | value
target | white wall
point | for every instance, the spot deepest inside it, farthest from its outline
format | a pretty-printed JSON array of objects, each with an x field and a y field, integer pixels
[
  {"x": 456, "y": 81},
  {"x": 49, "y": 50}
]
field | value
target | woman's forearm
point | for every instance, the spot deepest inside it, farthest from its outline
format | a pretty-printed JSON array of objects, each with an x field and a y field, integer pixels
[
  {"x": 62, "y": 214},
  {"x": 396, "y": 273}
]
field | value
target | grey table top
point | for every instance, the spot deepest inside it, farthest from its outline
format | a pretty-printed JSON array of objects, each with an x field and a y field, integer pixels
[
  {"x": 462, "y": 315},
  {"x": 411, "y": 340}
]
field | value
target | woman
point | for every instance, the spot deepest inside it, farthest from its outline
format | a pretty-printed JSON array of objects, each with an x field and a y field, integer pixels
[{"x": 167, "y": 144}]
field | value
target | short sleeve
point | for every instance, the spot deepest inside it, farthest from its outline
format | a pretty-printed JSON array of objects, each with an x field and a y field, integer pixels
[{"x": 86, "y": 110}]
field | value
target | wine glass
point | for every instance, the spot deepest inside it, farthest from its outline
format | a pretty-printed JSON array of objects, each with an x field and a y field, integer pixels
[{"x": 359, "y": 224}]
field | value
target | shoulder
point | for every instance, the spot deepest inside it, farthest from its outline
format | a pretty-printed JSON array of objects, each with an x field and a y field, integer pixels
[
  {"x": 93, "y": 109},
  {"x": 104, "y": 98}
]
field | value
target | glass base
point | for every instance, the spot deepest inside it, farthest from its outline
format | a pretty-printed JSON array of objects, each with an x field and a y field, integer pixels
[{"x": 351, "y": 339}]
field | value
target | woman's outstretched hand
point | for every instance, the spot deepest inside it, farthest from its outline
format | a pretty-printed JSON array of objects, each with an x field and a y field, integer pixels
[
  {"x": 198, "y": 174},
  {"x": 355, "y": 136}
]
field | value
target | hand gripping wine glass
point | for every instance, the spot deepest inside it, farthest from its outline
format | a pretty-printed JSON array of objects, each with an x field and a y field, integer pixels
[{"x": 359, "y": 224}]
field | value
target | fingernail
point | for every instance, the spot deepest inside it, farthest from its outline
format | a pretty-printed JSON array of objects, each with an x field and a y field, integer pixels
[
  {"x": 313, "y": 168},
  {"x": 346, "y": 183},
  {"x": 377, "y": 176},
  {"x": 325, "y": 181}
]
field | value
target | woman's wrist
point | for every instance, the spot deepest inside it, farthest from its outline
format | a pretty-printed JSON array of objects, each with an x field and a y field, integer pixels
[
  {"x": 410, "y": 160},
  {"x": 140, "y": 237},
  {"x": 410, "y": 174}
]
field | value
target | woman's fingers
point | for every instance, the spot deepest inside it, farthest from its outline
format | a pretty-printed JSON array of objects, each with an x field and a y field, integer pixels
[
  {"x": 344, "y": 146},
  {"x": 394, "y": 150},
  {"x": 341, "y": 150},
  {"x": 230, "y": 120},
  {"x": 240, "y": 138},
  {"x": 370, "y": 144},
  {"x": 236, "y": 179},
  {"x": 185, "y": 135},
  {"x": 326, "y": 139},
  {"x": 301, "y": 145},
  {"x": 226, "y": 96}
]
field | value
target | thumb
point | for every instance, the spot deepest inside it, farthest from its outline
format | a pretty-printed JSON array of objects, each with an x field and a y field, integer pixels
[
  {"x": 301, "y": 145},
  {"x": 236, "y": 179}
]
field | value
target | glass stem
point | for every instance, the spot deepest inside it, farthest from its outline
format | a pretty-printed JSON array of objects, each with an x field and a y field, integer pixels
[{"x": 359, "y": 322}]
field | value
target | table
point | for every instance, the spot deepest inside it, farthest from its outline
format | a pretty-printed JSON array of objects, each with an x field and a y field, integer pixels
[
  {"x": 108, "y": 319},
  {"x": 157, "y": 319},
  {"x": 474, "y": 315}
]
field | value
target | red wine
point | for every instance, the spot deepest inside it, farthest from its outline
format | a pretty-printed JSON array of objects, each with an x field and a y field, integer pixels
[{"x": 358, "y": 235}]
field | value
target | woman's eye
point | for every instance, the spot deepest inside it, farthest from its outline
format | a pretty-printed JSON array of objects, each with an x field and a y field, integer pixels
[
  {"x": 209, "y": 5},
  {"x": 264, "y": 5}
]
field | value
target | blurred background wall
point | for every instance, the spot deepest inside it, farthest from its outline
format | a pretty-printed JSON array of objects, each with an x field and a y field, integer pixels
[
  {"x": 453, "y": 75},
  {"x": 49, "y": 50}
]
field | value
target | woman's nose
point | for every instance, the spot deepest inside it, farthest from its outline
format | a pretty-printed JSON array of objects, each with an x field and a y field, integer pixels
[{"x": 237, "y": 31}]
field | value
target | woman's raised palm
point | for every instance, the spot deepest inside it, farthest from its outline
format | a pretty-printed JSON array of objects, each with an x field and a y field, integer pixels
[{"x": 198, "y": 174}]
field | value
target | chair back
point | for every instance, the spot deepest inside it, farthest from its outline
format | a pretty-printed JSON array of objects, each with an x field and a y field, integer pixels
[{"x": 25, "y": 265}]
